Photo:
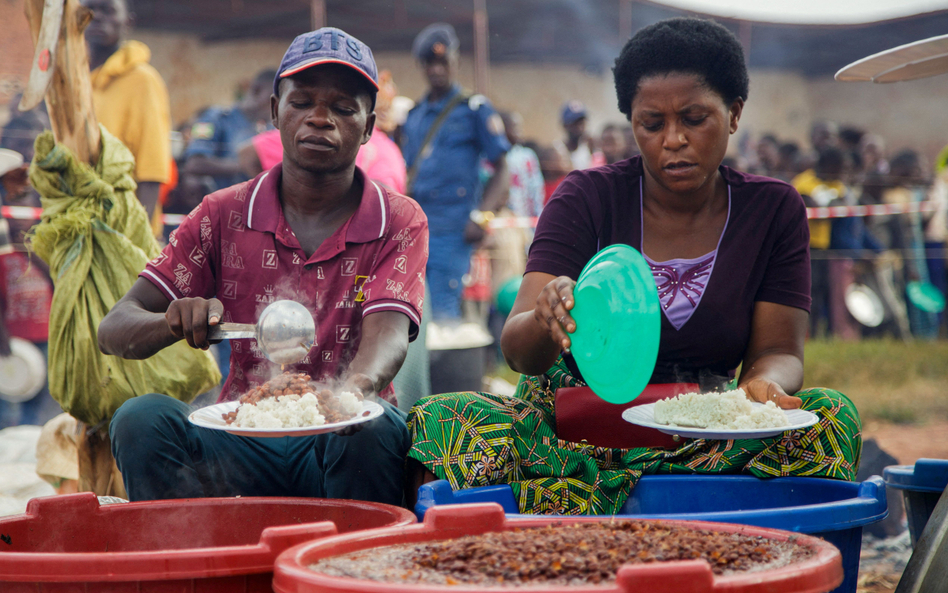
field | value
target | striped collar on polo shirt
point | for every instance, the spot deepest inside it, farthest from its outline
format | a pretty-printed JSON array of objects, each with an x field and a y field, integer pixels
[{"x": 369, "y": 222}]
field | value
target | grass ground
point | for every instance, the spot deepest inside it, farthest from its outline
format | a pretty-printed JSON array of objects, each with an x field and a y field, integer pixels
[{"x": 888, "y": 380}]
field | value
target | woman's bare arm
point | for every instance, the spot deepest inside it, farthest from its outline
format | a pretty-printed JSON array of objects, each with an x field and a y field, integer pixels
[
  {"x": 539, "y": 324},
  {"x": 773, "y": 362}
]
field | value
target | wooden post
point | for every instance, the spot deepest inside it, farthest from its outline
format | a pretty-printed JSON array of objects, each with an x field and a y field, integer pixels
[
  {"x": 317, "y": 14},
  {"x": 625, "y": 20},
  {"x": 745, "y": 29},
  {"x": 481, "y": 48},
  {"x": 69, "y": 98}
]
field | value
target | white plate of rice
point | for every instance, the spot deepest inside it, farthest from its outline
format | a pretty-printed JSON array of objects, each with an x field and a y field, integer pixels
[
  {"x": 305, "y": 422},
  {"x": 722, "y": 416}
]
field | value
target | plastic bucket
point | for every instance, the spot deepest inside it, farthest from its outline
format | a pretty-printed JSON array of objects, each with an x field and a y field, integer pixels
[
  {"x": 831, "y": 509},
  {"x": 70, "y": 543},
  {"x": 819, "y": 573},
  {"x": 921, "y": 485},
  {"x": 457, "y": 370}
]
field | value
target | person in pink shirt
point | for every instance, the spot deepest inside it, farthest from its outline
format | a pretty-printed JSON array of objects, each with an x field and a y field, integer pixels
[
  {"x": 380, "y": 158},
  {"x": 313, "y": 229}
]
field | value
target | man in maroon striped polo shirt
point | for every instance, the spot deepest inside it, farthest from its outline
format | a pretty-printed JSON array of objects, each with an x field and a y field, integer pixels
[{"x": 315, "y": 230}]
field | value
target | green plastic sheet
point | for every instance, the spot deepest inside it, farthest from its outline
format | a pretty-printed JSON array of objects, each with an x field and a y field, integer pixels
[{"x": 95, "y": 237}]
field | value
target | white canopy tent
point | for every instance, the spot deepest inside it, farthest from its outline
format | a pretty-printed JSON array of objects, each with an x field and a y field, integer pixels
[
  {"x": 809, "y": 12},
  {"x": 928, "y": 57}
]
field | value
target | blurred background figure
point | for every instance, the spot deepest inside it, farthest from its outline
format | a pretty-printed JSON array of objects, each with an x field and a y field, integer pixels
[
  {"x": 850, "y": 139},
  {"x": 577, "y": 147},
  {"x": 444, "y": 139},
  {"x": 526, "y": 179},
  {"x": 872, "y": 152},
  {"x": 936, "y": 230},
  {"x": 21, "y": 130},
  {"x": 631, "y": 148},
  {"x": 908, "y": 183},
  {"x": 380, "y": 158},
  {"x": 26, "y": 291},
  {"x": 823, "y": 186},
  {"x": 509, "y": 242},
  {"x": 130, "y": 99},
  {"x": 767, "y": 156},
  {"x": 211, "y": 159},
  {"x": 554, "y": 165},
  {"x": 190, "y": 189},
  {"x": 218, "y": 133},
  {"x": 612, "y": 144},
  {"x": 789, "y": 163},
  {"x": 823, "y": 135},
  {"x": 875, "y": 169}
]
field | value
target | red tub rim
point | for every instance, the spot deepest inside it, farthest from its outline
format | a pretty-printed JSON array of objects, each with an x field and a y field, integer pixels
[
  {"x": 821, "y": 573},
  {"x": 176, "y": 564}
]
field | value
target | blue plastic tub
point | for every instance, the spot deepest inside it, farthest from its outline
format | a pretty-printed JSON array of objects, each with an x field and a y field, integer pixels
[
  {"x": 921, "y": 485},
  {"x": 832, "y": 509}
]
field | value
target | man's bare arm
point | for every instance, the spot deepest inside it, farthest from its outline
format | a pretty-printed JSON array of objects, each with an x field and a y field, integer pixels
[
  {"x": 381, "y": 352},
  {"x": 145, "y": 321}
]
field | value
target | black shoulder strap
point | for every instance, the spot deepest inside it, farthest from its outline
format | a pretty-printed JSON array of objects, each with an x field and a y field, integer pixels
[{"x": 425, "y": 151}]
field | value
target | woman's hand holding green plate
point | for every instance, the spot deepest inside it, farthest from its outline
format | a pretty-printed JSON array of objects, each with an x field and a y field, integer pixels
[{"x": 618, "y": 324}]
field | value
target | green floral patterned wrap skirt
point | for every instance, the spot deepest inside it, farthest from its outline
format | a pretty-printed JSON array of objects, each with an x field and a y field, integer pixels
[{"x": 480, "y": 439}]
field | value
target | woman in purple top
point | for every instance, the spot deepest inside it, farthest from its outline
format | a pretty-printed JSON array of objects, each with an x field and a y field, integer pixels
[{"x": 729, "y": 253}]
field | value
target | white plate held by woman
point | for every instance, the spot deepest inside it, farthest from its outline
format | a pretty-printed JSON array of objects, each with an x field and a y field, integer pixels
[
  {"x": 212, "y": 417},
  {"x": 644, "y": 415}
]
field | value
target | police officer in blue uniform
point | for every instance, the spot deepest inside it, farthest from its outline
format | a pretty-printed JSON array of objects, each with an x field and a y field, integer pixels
[
  {"x": 218, "y": 133},
  {"x": 444, "y": 140}
]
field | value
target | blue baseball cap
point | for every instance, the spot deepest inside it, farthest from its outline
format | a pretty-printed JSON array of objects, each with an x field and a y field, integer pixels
[
  {"x": 573, "y": 111},
  {"x": 327, "y": 46},
  {"x": 435, "y": 40}
]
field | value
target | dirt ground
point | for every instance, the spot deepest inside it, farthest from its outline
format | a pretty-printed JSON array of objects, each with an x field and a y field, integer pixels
[{"x": 907, "y": 443}]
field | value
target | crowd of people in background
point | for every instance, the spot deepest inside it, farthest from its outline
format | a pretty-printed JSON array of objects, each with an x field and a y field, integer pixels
[
  {"x": 889, "y": 257},
  {"x": 467, "y": 165}
]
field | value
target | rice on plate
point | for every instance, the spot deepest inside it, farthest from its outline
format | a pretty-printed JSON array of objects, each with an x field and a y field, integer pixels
[
  {"x": 729, "y": 410},
  {"x": 292, "y": 411}
]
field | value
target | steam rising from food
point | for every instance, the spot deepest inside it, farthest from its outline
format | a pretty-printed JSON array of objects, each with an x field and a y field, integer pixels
[{"x": 293, "y": 400}]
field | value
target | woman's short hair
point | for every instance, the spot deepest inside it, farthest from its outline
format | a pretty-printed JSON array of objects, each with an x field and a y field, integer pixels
[{"x": 683, "y": 44}]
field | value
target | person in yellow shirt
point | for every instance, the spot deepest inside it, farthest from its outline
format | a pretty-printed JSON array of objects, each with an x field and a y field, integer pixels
[
  {"x": 823, "y": 186},
  {"x": 130, "y": 98}
]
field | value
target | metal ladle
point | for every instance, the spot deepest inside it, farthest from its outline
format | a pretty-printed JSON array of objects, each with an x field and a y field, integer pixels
[{"x": 285, "y": 332}]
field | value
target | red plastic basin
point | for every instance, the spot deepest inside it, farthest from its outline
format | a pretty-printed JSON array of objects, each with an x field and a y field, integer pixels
[
  {"x": 70, "y": 543},
  {"x": 820, "y": 573}
]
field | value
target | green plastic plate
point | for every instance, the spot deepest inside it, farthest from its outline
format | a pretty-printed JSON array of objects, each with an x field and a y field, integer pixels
[
  {"x": 618, "y": 324},
  {"x": 925, "y": 296}
]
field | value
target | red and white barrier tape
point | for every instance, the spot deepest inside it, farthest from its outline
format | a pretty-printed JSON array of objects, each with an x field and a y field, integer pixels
[
  {"x": 529, "y": 222},
  {"x": 31, "y": 213},
  {"x": 873, "y": 210},
  {"x": 21, "y": 212}
]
